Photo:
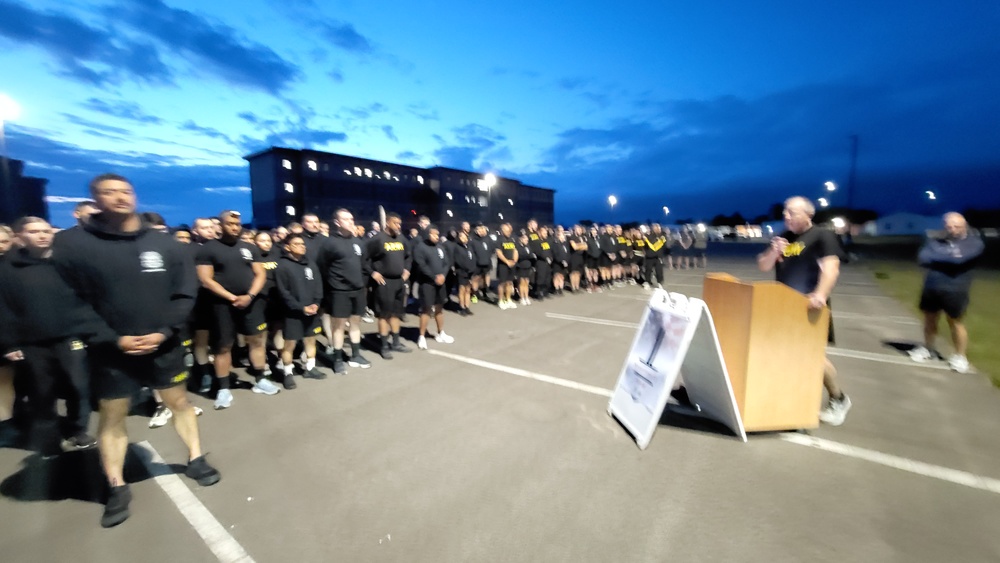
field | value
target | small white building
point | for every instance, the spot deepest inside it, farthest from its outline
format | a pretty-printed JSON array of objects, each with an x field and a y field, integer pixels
[{"x": 902, "y": 224}]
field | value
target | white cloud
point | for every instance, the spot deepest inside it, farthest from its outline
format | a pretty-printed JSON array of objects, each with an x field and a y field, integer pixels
[
  {"x": 229, "y": 190},
  {"x": 64, "y": 199}
]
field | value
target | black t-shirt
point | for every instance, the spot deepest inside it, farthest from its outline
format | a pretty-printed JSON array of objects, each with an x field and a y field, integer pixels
[
  {"x": 507, "y": 245},
  {"x": 270, "y": 261},
  {"x": 232, "y": 262},
  {"x": 799, "y": 267}
]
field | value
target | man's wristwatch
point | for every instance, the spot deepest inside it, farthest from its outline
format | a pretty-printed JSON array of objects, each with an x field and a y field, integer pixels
[{"x": 252, "y": 295}]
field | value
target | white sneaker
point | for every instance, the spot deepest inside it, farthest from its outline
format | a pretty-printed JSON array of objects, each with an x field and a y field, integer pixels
[
  {"x": 224, "y": 399},
  {"x": 836, "y": 411},
  {"x": 502, "y": 305},
  {"x": 161, "y": 417},
  {"x": 920, "y": 354},
  {"x": 444, "y": 338},
  {"x": 198, "y": 411},
  {"x": 511, "y": 304},
  {"x": 265, "y": 387},
  {"x": 956, "y": 363},
  {"x": 422, "y": 343}
]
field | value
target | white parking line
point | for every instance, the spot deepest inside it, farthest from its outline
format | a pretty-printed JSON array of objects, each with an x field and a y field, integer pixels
[
  {"x": 963, "y": 478},
  {"x": 525, "y": 373},
  {"x": 619, "y": 324},
  {"x": 215, "y": 536}
]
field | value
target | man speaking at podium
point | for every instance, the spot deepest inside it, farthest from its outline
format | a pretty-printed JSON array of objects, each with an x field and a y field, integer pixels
[{"x": 807, "y": 259}]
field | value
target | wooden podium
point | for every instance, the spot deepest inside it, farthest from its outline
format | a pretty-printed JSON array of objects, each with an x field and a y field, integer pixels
[{"x": 774, "y": 349}]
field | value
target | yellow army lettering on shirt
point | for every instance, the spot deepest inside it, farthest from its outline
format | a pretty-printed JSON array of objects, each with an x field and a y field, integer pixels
[
  {"x": 393, "y": 247},
  {"x": 533, "y": 236},
  {"x": 508, "y": 246},
  {"x": 793, "y": 249},
  {"x": 270, "y": 265},
  {"x": 545, "y": 246}
]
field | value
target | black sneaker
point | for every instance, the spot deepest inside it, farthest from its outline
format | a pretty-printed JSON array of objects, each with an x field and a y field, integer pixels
[
  {"x": 468, "y": 312},
  {"x": 199, "y": 470},
  {"x": 116, "y": 509},
  {"x": 316, "y": 373},
  {"x": 359, "y": 361},
  {"x": 386, "y": 353},
  {"x": 81, "y": 441},
  {"x": 400, "y": 347},
  {"x": 339, "y": 367},
  {"x": 289, "y": 381}
]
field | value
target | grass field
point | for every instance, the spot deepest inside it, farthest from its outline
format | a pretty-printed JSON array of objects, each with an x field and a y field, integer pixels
[{"x": 903, "y": 280}]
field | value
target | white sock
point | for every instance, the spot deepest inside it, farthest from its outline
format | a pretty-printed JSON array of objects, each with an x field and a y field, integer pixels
[
  {"x": 310, "y": 363},
  {"x": 280, "y": 366},
  {"x": 287, "y": 369}
]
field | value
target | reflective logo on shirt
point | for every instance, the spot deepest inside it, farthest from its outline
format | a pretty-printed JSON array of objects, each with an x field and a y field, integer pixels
[
  {"x": 246, "y": 254},
  {"x": 441, "y": 254},
  {"x": 794, "y": 249},
  {"x": 357, "y": 249},
  {"x": 151, "y": 261},
  {"x": 309, "y": 274}
]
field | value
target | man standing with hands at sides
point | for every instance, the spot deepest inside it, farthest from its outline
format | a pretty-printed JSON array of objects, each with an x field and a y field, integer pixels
[
  {"x": 141, "y": 286},
  {"x": 300, "y": 289},
  {"x": 807, "y": 259},
  {"x": 343, "y": 265},
  {"x": 233, "y": 272},
  {"x": 434, "y": 264},
  {"x": 506, "y": 265},
  {"x": 390, "y": 259},
  {"x": 949, "y": 262},
  {"x": 483, "y": 249}
]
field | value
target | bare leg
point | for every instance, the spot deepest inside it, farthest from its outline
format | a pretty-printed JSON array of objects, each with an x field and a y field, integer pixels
[
  {"x": 439, "y": 317},
  {"x": 112, "y": 439},
  {"x": 959, "y": 335},
  {"x": 185, "y": 420},
  {"x": 223, "y": 362},
  {"x": 930, "y": 328},
  {"x": 830, "y": 380},
  {"x": 258, "y": 353},
  {"x": 6, "y": 392}
]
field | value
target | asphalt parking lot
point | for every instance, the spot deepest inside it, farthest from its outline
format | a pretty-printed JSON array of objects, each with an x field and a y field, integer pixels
[{"x": 499, "y": 448}]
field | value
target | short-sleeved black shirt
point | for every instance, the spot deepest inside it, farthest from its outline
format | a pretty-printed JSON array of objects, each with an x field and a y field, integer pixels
[
  {"x": 232, "y": 262},
  {"x": 507, "y": 246},
  {"x": 799, "y": 267}
]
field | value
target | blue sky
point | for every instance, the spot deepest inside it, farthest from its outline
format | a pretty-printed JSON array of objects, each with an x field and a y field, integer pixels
[{"x": 705, "y": 107}]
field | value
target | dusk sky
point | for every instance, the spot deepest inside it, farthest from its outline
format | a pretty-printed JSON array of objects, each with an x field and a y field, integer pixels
[{"x": 706, "y": 107}]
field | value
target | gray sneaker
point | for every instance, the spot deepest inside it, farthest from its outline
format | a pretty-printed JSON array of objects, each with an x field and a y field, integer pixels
[
  {"x": 264, "y": 386},
  {"x": 224, "y": 399}
]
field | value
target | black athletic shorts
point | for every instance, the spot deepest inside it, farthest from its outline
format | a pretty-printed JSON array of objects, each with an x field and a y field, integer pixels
[
  {"x": 505, "y": 273},
  {"x": 228, "y": 321},
  {"x": 576, "y": 262},
  {"x": 390, "y": 299},
  {"x": 431, "y": 295},
  {"x": 463, "y": 277},
  {"x": 604, "y": 261},
  {"x": 201, "y": 315},
  {"x": 483, "y": 270},
  {"x": 299, "y": 326},
  {"x": 953, "y": 303},
  {"x": 116, "y": 375},
  {"x": 524, "y": 273},
  {"x": 558, "y": 268},
  {"x": 592, "y": 262},
  {"x": 344, "y": 304}
]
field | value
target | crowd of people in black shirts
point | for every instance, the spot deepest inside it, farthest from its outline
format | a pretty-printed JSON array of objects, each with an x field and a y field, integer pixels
[{"x": 121, "y": 304}]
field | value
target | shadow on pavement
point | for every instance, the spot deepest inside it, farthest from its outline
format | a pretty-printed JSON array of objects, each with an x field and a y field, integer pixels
[{"x": 75, "y": 475}]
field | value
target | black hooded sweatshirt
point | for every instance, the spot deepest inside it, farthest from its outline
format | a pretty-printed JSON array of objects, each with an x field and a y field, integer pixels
[
  {"x": 432, "y": 259},
  {"x": 298, "y": 283},
  {"x": 36, "y": 304},
  {"x": 343, "y": 262},
  {"x": 138, "y": 283}
]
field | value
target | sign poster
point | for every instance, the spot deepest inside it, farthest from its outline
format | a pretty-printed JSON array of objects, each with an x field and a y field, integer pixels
[{"x": 656, "y": 360}]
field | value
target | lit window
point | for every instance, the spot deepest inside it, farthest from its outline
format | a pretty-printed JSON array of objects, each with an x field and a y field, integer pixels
[
  {"x": 483, "y": 202},
  {"x": 387, "y": 175},
  {"x": 450, "y": 214},
  {"x": 289, "y": 188},
  {"x": 357, "y": 170},
  {"x": 290, "y": 210},
  {"x": 420, "y": 179},
  {"x": 510, "y": 201},
  {"x": 500, "y": 215},
  {"x": 396, "y": 178},
  {"x": 286, "y": 164},
  {"x": 368, "y": 172},
  {"x": 348, "y": 172},
  {"x": 448, "y": 195},
  {"x": 312, "y": 165}
]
